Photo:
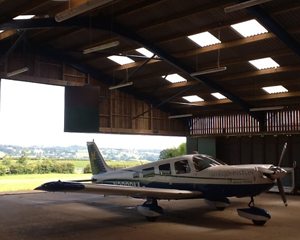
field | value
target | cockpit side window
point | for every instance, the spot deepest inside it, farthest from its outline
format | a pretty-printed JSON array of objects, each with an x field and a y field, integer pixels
[
  {"x": 165, "y": 169},
  {"x": 148, "y": 172},
  {"x": 200, "y": 164},
  {"x": 182, "y": 166}
]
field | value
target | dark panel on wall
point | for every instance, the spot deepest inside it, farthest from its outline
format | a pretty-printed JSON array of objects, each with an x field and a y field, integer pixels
[
  {"x": 207, "y": 146},
  {"x": 81, "y": 109},
  {"x": 271, "y": 153},
  {"x": 228, "y": 149},
  {"x": 246, "y": 150},
  {"x": 191, "y": 145},
  {"x": 258, "y": 153}
]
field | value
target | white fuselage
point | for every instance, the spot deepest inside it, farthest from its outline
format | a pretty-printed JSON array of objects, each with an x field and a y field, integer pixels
[{"x": 216, "y": 179}]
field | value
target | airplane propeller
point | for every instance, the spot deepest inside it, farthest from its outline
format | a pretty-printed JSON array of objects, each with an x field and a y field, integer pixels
[
  {"x": 276, "y": 173},
  {"x": 278, "y": 180}
]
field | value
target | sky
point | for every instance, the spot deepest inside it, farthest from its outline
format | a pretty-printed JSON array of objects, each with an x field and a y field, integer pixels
[{"x": 33, "y": 114}]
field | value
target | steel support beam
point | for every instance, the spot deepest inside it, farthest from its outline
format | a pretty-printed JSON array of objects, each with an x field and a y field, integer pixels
[{"x": 268, "y": 22}]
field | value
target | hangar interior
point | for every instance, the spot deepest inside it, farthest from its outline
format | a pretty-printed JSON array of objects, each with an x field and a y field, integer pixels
[{"x": 167, "y": 67}]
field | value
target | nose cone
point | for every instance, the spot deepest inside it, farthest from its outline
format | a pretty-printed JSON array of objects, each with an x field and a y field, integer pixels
[{"x": 278, "y": 172}]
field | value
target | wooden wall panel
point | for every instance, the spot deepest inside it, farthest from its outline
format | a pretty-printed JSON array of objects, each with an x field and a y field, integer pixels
[{"x": 119, "y": 112}]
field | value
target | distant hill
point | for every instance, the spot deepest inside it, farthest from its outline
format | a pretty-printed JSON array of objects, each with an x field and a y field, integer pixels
[{"x": 77, "y": 152}]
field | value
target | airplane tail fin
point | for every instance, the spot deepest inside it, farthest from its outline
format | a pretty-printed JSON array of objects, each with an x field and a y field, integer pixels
[{"x": 98, "y": 164}]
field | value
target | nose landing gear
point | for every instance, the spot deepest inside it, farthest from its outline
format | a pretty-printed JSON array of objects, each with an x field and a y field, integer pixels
[{"x": 258, "y": 216}]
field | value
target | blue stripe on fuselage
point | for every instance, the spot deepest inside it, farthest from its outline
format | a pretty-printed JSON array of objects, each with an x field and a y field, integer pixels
[
  {"x": 208, "y": 190},
  {"x": 216, "y": 190}
]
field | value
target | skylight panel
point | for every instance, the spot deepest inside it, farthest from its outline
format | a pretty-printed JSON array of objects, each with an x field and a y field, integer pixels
[
  {"x": 145, "y": 52},
  {"x": 204, "y": 39},
  {"x": 249, "y": 28},
  {"x": 264, "y": 63},
  {"x": 23, "y": 17},
  {"x": 120, "y": 59},
  {"x": 193, "y": 98},
  {"x": 218, "y": 95},
  {"x": 174, "y": 78},
  {"x": 275, "y": 89}
]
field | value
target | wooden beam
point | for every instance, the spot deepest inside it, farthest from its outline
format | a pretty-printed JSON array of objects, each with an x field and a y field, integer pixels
[
  {"x": 264, "y": 97},
  {"x": 138, "y": 7},
  {"x": 230, "y": 44},
  {"x": 182, "y": 14},
  {"x": 283, "y": 69},
  {"x": 50, "y": 81},
  {"x": 216, "y": 47},
  {"x": 7, "y": 34},
  {"x": 274, "y": 96}
]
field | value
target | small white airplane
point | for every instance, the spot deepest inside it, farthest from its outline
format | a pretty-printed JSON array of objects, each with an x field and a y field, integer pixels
[{"x": 184, "y": 177}]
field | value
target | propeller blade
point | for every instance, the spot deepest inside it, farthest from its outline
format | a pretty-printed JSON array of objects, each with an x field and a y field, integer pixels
[
  {"x": 282, "y": 154},
  {"x": 281, "y": 191}
]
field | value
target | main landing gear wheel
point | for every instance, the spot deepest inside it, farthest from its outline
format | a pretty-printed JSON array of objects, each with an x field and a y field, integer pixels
[{"x": 150, "y": 210}]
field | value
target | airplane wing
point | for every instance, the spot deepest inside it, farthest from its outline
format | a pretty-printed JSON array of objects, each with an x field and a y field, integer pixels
[{"x": 107, "y": 189}]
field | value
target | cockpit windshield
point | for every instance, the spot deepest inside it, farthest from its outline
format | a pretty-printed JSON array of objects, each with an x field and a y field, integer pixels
[{"x": 202, "y": 162}]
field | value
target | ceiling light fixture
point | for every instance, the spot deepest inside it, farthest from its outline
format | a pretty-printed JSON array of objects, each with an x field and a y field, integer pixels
[
  {"x": 204, "y": 39},
  {"x": 174, "y": 78},
  {"x": 180, "y": 116},
  {"x": 208, "y": 71},
  {"x": 17, "y": 72},
  {"x": 145, "y": 52},
  {"x": 101, "y": 47},
  {"x": 275, "y": 89},
  {"x": 264, "y": 63},
  {"x": 23, "y": 17},
  {"x": 244, "y": 5},
  {"x": 122, "y": 60},
  {"x": 218, "y": 95},
  {"x": 193, "y": 98},
  {"x": 249, "y": 28},
  {"x": 120, "y": 85},
  {"x": 85, "y": 7}
]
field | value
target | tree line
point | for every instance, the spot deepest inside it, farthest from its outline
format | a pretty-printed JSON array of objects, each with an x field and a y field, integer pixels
[{"x": 21, "y": 166}]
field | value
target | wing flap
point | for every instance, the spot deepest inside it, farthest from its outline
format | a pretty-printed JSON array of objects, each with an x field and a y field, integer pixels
[{"x": 107, "y": 189}]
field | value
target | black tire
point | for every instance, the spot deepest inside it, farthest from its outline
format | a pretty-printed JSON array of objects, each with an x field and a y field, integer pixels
[
  {"x": 259, "y": 223},
  {"x": 151, "y": 219}
]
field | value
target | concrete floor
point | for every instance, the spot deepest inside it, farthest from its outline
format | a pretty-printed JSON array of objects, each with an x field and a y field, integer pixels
[{"x": 73, "y": 216}]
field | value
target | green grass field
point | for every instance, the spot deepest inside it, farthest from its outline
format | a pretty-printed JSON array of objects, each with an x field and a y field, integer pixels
[{"x": 31, "y": 181}]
